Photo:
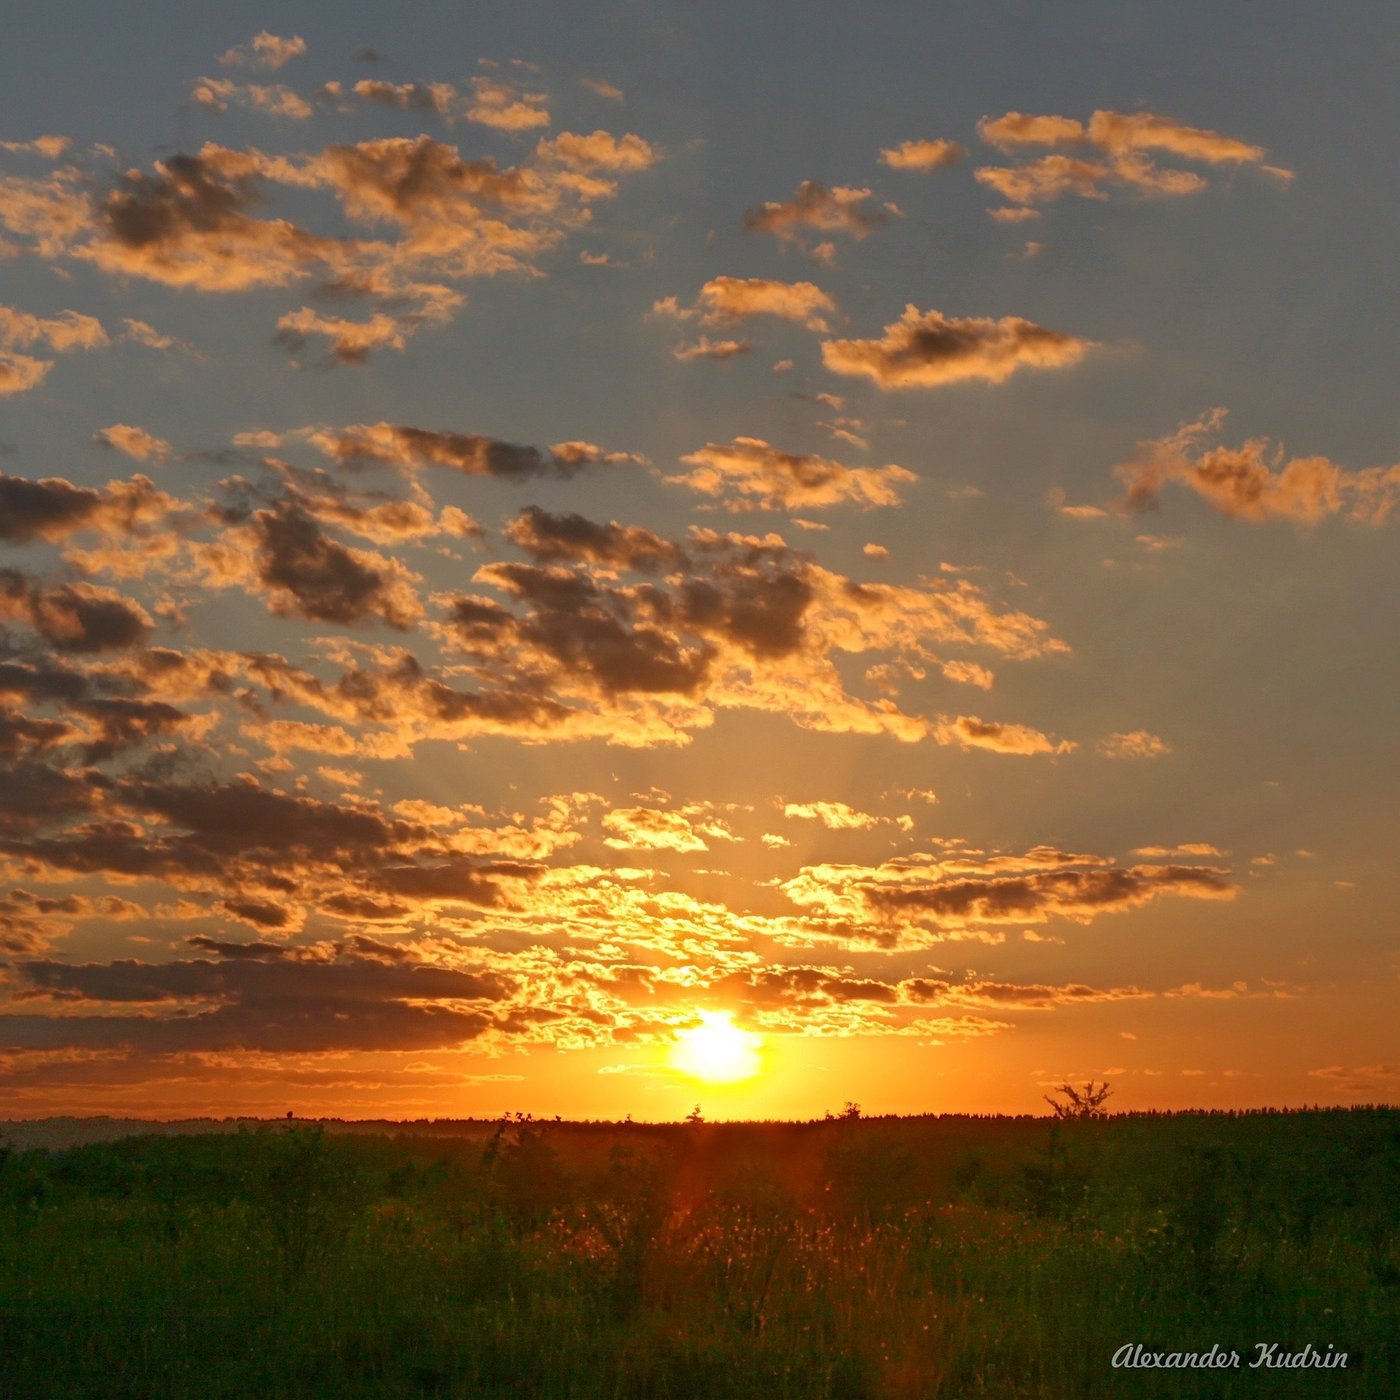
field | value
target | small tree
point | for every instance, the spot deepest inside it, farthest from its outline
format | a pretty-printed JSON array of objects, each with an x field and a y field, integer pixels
[{"x": 1073, "y": 1104}]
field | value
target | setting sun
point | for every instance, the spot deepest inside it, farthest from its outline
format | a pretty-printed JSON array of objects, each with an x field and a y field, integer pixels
[{"x": 716, "y": 1050}]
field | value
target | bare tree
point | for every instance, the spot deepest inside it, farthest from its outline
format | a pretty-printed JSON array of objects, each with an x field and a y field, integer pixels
[{"x": 1072, "y": 1103}]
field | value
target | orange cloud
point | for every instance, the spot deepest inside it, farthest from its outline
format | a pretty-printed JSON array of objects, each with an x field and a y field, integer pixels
[
  {"x": 706, "y": 349},
  {"x": 599, "y": 151},
  {"x": 283, "y": 552},
  {"x": 768, "y": 479},
  {"x": 272, "y": 100},
  {"x": 51, "y": 213},
  {"x": 922, "y": 155},
  {"x": 814, "y": 206},
  {"x": 504, "y": 108},
  {"x": 1137, "y": 744},
  {"x": 73, "y": 617},
  {"x": 134, "y": 442},
  {"x": 200, "y": 221},
  {"x": 441, "y": 98},
  {"x": 969, "y": 732},
  {"x": 600, "y": 88},
  {"x": 925, "y": 349},
  {"x": 1255, "y": 482},
  {"x": 662, "y": 829},
  {"x": 350, "y": 341},
  {"x": 408, "y": 448},
  {"x": 52, "y": 508},
  {"x": 733, "y": 298},
  {"x": 1118, "y": 131},
  {"x": 1021, "y": 129},
  {"x": 1121, "y": 137},
  {"x": 50, "y": 147},
  {"x": 20, "y": 373},
  {"x": 69, "y": 330},
  {"x": 188, "y": 225},
  {"x": 738, "y": 622},
  {"x": 1047, "y": 179},
  {"x": 265, "y": 50},
  {"x": 835, "y": 816}
]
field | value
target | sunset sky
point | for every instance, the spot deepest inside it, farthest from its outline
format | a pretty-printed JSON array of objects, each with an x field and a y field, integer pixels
[{"x": 585, "y": 559}]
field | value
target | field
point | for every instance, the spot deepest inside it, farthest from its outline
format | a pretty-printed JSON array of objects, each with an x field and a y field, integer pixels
[{"x": 852, "y": 1257}]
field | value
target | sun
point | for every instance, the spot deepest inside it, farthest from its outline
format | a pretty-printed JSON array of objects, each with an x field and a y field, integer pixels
[{"x": 716, "y": 1050}]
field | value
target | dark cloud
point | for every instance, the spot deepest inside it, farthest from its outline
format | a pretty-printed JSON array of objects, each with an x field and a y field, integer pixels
[
  {"x": 52, "y": 508},
  {"x": 74, "y": 617},
  {"x": 572, "y": 538},
  {"x": 1040, "y": 996},
  {"x": 263, "y": 1000},
  {"x": 576, "y": 626},
  {"x": 118, "y": 723},
  {"x": 20, "y": 734},
  {"x": 959, "y": 895},
  {"x": 806, "y": 986},
  {"x": 1073, "y": 893},
  {"x": 262, "y": 913},
  {"x": 311, "y": 575},
  {"x": 267, "y": 977},
  {"x": 188, "y": 224},
  {"x": 228, "y": 818},
  {"x": 34, "y": 794},
  {"x": 47, "y": 509},
  {"x": 408, "y": 448}
]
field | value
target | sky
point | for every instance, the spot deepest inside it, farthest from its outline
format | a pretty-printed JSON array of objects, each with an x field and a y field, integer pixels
[{"x": 588, "y": 560}]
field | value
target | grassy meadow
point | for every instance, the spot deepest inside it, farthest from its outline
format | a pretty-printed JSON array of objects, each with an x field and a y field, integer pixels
[{"x": 853, "y": 1257}]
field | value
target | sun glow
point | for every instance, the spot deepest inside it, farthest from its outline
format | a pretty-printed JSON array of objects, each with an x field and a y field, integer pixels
[{"x": 716, "y": 1050}]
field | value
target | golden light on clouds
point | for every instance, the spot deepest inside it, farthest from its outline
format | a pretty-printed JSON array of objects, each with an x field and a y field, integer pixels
[{"x": 495, "y": 560}]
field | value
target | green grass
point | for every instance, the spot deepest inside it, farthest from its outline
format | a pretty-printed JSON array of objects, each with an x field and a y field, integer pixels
[{"x": 947, "y": 1257}]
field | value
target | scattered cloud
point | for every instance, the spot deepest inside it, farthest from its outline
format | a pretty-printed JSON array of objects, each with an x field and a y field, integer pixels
[
  {"x": 724, "y": 299},
  {"x": 969, "y": 732},
  {"x": 835, "y": 816},
  {"x": 134, "y": 442},
  {"x": 1109, "y": 153},
  {"x": 706, "y": 349},
  {"x": 749, "y": 473},
  {"x": 601, "y": 88},
  {"x": 350, "y": 341},
  {"x": 1255, "y": 482},
  {"x": 925, "y": 349},
  {"x": 265, "y": 50},
  {"x": 20, "y": 373},
  {"x": 53, "y": 508},
  {"x": 922, "y": 155},
  {"x": 1138, "y": 743},
  {"x": 409, "y": 449},
  {"x": 599, "y": 151},
  {"x": 505, "y": 108},
  {"x": 273, "y": 100},
  {"x": 682, "y": 830},
  {"x": 73, "y": 617},
  {"x": 842, "y": 209}
]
